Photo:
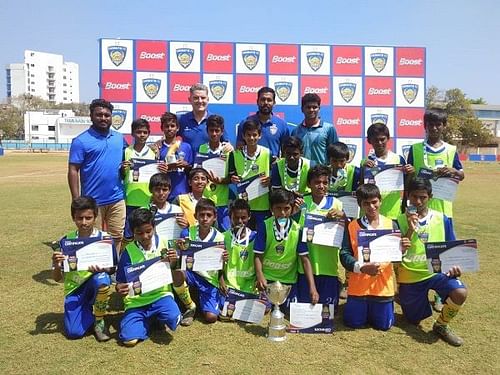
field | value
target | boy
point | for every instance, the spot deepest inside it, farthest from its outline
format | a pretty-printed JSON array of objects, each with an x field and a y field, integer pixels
[
  {"x": 370, "y": 292},
  {"x": 198, "y": 181},
  {"x": 158, "y": 303},
  {"x": 86, "y": 293},
  {"x": 207, "y": 283},
  {"x": 324, "y": 259},
  {"x": 276, "y": 247},
  {"x": 252, "y": 160},
  {"x": 344, "y": 176},
  {"x": 378, "y": 136},
  {"x": 177, "y": 155},
  {"x": 136, "y": 193},
  {"x": 415, "y": 280}
]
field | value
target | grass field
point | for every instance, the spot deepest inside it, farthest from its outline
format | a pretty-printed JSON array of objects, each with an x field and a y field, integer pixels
[{"x": 34, "y": 200}]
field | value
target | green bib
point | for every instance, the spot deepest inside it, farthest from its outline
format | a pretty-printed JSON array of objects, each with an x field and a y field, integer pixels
[
  {"x": 287, "y": 181},
  {"x": 219, "y": 194},
  {"x": 239, "y": 270},
  {"x": 136, "y": 193},
  {"x": 350, "y": 180}
]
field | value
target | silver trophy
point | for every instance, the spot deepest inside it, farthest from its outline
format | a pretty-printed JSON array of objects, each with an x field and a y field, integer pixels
[{"x": 277, "y": 293}]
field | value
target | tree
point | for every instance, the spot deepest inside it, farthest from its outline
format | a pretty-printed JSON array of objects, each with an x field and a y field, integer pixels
[
  {"x": 11, "y": 122},
  {"x": 479, "y": 100}
]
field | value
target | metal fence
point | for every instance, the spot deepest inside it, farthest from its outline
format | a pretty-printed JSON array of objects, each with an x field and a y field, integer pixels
[{"x": 34, "y": 146}]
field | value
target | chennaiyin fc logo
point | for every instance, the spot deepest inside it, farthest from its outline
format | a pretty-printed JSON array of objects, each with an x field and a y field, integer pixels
[
  {"x": 352, "y": 151},
  {"x": 218, "y": 88},
  {"x": 379, "y": 60},
  {"x": 410, "y": 92},
  {"x": 117, "y": 54},
  {"x": 283, "y": 90},
  {"x": 184, "y": 56},
  {"x": 151, "y": 86},
  {"x": 379, "y": 118},
  {"x": 315, "y": 59},
  {"x": 244, "y": 255},
  {"x": 118, "y": 118},
  {"x": 250, "y": 58},
  {"x": 347, "y": 90}
]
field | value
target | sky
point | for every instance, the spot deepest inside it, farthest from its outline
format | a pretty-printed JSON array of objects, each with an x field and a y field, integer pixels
[{"x": 461, "y": 36}]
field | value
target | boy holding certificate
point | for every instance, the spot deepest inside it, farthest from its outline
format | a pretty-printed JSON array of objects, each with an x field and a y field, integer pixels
[
  {"x": 86, "y": 293},
  {"x": 370, "y": 292},
  {"x": 142, "y": 307},
  {"x": 276, "y": 247},
  {"x": 344, "y": 176},
  {"x": 422, "y": 224},
  {"x": 198, "y": 181}
]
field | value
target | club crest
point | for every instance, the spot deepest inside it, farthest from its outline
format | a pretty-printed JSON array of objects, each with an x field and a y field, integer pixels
[
  {"x": 379, "y": 118},
  {"x": 352, "y": 151},
  {"x": 218, "y": 88},
  {"x": 410, "y": 92},
  {"x": 315, "y": 59},
  {"x": 250, "y": 58},
  {"x": 280, "y": 249},
  {"x": 244, "y": 254},
  {"x": 347, "y": 91},
  {"x": 118, "y": 118},
  {"x": 117, "y": 54},
  {"x": 283, "y": 90},
  {"x": 273, "y": 129},
  {"x": 379, "y": 61},
  {"x": 151, "y": 86},
  {"x": 184, "y": 56},
  {"x": 406, "y": 151}
]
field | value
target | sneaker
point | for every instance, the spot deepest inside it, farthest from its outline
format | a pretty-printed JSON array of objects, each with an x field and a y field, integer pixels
[
  {"x": 447, "y": 335},
  {"x": 343, "y": 292},
  {"x": 438, "y": 304},
  {"x": 101, "y": 332},
  {"x": 188, "y": 317}
]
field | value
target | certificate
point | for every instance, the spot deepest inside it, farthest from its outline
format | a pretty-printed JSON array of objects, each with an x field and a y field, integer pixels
[
  {"x": 252, "y": 188},
  {"x": 212, "y": 162},
  {"x": 203, "y": 256},
  {"x": 320, "y": 230},
  {"x": 441, "y": 256},
  {"x": 142, "y": 170},
  {"x": 166, "y": 225},
  {"x": 81, "y": 253},
  {"x": 147, "y": 276},
  {"x": 243, "y": 306},
  {"x": 379, "y": 245},
  {"x": 444, "y": 188},
  {"x": 307, "y": 318},
  {"x": 388, "y": 178},
  {"x": 349, "y": 203}
]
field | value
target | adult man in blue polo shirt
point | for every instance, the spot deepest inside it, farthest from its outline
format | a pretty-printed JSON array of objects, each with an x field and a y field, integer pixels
[
  {"x": 316, "y": 134},
  {"x": 274, "y": 129},
  {"x": 95, "y": 158}
]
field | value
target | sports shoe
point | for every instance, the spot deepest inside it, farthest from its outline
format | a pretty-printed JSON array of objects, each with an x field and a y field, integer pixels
[
  {"x": 343, "y": 292},
  {"x": 447, "y": 335},
  {"x": 188, "y": 317},
  {"x": 101, "y": 332},
  {"x": 438, "y": 304}
]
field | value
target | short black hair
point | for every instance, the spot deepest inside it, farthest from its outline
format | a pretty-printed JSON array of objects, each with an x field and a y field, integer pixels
[
  {"x": 100, "y": 103},
  {"x": 264, "y": 90},
  {"x": 311, "y": 98},
  {"x": 140, "y": 123},
  {"x": 291, "y": 142},
  {"x": 279, "y": 196},
  {"x": 337, "y": 150},
  {"x": 435, "y": 115},
  {"x": 84, "y": 203},
  {"x": 141, "y": 216},
  {"x": 317, "y": 171},
  {"x": 167, "y": 117},
  {"x": 239, "y": 204},
  {"x": 215, "y": 121},
  {"x": 203, "y": 205},
  {"x": 249, "y": 125},
  {"x": 418, "y": 183},
  {"x": 159, "y": 180},
  {"x": 193, "y": 171},
  {"x": 367, "y": 191},
  {"x": 377, "y": 129}
]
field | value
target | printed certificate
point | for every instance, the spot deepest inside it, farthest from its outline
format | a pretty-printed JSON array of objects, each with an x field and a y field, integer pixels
[
  {"x": 307, "y": 318},
  {"x": 148, "y": 276},
  {"x": 252, "y": 188},
  {"x": 445, "y": 188},
  {"x": 166, "y": 225},
  {"x": 388, "y": 178},
  {"x": 214, "y": 163},
  {"x": 84, "y": 252},
  {"x": 379, "y": 245},
  {"x": 441, "y": 256},
  {"x": 320, "y": 230},
  {"x": 142, "y": 170},
  {"x": 349, "y": 203},
  {"x": 243, "y": 306},
  {"x": 203, "y": 256}
]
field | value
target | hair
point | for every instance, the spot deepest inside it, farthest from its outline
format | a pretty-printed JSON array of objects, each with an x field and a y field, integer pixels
[
  {"x": 197, "y": 170},
  {"x": 265, "y": 90},
  {"x": 205, "y": 204},
  {"x": 84, "y": 203},
  {"x": 317, "y": 171},
  {"x": 198, "y": 87},
  {"x": 215, "y": 121},
  {"x": 167, "y": 117},
  {"x": 250, "y": 125},
  {"x": 337, "y": 150},
  {"x": 435, "y": 115},
  {"x": 141, "y": 216},
  {"x": 367, "y": 191},
  {"x": 377, "y": 129},
  {"x": 100, "y": 103},
  {"x": 419, "y": 183},
  {"x": 239, "y": 204},
  {"x": 160, "y": 180},
  {"x": 291, "y": 142},
  {"x": 140, "y": 123},
  {"x": 311, "y": 98},
  {"x": 281, "y": 196}
]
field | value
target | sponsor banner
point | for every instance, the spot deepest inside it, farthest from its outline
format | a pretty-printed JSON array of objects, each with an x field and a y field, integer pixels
[
  {"x": 315, "y": 60},
  {"x": 379, "y": 91},
  {"x": 220, "y": 88},
  {"x": 151, "y": 87},
  {"x": 185, "y": 56},
  {"x": 410, "y": 92},
  {"x": 151, "y": 113},
  {"x": 247, "y": 86},
  {"x": 379, "y": 61},
  {"x": 117, "y": 86},
  {"x": 250, "y": 58},
  {"x": 283, "y": 59},
  {"x": 151, "y": 55},
  {"x": 122, "y": 117},
  {"x": 347, "y": 91},
  {"x": 355, "y": 146},
  {"x": 410, "y": 62},
  {"x": 180, "y": 109},
  {"x": 117, "y": 54},
  {"x": 179, "y": 86},
  {"x": 218, "y": 57},
  {"x": 410, "y": 122},
  {"x": 348, "y": 121},
  {"x": 347, "y": 60},
  {"x": 286, "y": 88},
  {"x": 316, "y": 85},
  {"x": 403, "y": 145},
  {"x": 380, "y": 114}
]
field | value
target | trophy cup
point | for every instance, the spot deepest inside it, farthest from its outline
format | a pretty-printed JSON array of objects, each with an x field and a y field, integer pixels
[{"x": 277, "y": 293}]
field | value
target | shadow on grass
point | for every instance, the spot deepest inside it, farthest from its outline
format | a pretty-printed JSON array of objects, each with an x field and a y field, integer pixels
[
  {"x": 253, "y": 329},
  {"x": 48, "y": 323},
  {"x": 414, "y": 331},
  {"x": 45, "y": 277}
]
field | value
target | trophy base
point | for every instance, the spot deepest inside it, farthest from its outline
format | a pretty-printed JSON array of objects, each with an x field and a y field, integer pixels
[
  {"x": 276, "y": 339},
  {"x": 277, "y": 333}
]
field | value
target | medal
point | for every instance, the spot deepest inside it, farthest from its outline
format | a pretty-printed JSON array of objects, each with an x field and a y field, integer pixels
[
  {"x": 250, "y": 165},
  {"x": 290, "y": 183}
]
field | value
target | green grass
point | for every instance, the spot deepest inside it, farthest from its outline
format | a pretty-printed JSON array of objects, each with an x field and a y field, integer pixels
[{"x": 34, "y": 199}]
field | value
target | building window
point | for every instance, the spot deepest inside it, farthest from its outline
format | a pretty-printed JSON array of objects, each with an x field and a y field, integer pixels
[
  {"x": 64, "y": 77},
  {"x": 65, "y": 98},
  {"x": 34, "y": 128},
  {"x": 52, "y": 128},
  {"x": 65, "y": 84},
  {"x": 32, "y": 75},
  {"x": 32, "y": 90},
  {"x": 32, "y": 65},
  {"x": 35, "y": 137},
  {"x": 52, "y": 138}
]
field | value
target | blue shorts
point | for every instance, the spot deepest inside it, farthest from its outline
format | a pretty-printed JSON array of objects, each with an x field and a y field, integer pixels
[
  {"x": 359, "y": 312},
  {"x": 79, "y": 306},
  {"x": 136, "y": 321},
  {"x": 211, "y": 299},
  {"x": 127, "y": 232},
  {"x": 414, "y": 298},
  {"x": 327, "y": 287}
]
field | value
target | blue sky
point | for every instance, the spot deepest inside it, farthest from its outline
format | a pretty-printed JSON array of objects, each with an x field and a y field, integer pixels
[{"x": 461, "y": 37}]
